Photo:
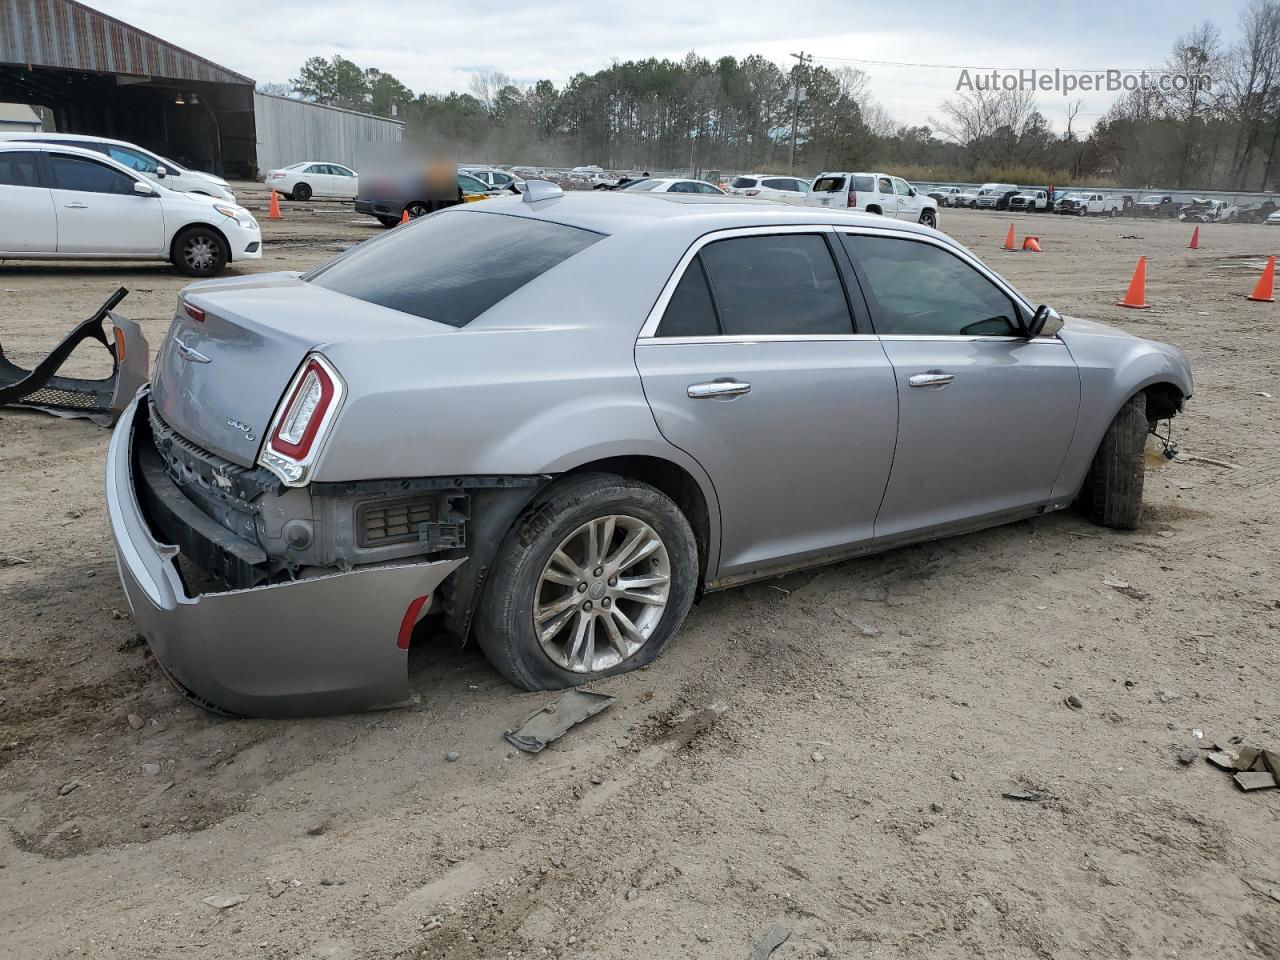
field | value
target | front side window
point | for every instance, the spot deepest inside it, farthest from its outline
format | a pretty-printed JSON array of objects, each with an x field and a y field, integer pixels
[
  {"x": 132, "y": 159},
  {"x": 451, "y": 266},
  {"x": 776, "y": 284},
  {"x": 18, "y": 169},
  {"x": 471, "y": 184},
  {"x": 920, "y": 289},
  {"x": 77, "y": 173},
  {"x": 901, "y": 187}
]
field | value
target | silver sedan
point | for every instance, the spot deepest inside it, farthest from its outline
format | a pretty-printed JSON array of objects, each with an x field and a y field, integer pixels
[{"x": 639, "y": 397}]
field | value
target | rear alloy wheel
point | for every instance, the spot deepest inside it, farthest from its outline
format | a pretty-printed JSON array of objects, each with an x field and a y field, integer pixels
[
  {"x": 199, "y": 252},
  {"x": 929, "y": 219},
  {"x": 593, "y": 581},
  {"x": 301, "y": 191}
]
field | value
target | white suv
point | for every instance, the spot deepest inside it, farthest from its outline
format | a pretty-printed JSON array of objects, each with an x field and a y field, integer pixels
[
  {"x": 64, "y": 203},
  {"x": 151, "y": 165},
  {"x": 766, "y": 187},
  {"x": 874, "y": 193}
]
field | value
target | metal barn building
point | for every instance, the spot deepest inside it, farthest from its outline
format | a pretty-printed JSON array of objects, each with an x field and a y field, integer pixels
[{"x": 99, "y": 75}]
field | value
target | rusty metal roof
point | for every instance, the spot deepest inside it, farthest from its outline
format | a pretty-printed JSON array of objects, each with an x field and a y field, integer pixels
[{"x": 70, "y": 36}]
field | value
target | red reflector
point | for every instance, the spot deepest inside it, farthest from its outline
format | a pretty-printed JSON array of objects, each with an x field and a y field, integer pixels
[
  {"x": 853, "y": 199},
  {"x": 410, "y": 619},
  {"x": 195, "y": 313}
]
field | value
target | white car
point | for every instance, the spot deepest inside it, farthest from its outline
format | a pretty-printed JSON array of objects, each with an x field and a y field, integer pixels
[
  {"x": 672, "y": 185},
  {"x": 154, "y": 167},
  {"x": 767, "y": 187},
  {"x": 64, "y": 203},
  {"x": 315, "y": 178},
  {"x": 873, "y": 193},
  {"x": 494, "y": 178}
]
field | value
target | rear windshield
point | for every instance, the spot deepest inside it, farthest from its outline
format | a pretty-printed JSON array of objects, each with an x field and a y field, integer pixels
[
  {"x": 828, "y": 185},
  {"x": 452, "y": 266},
  {"x": 740, "y": 183}
]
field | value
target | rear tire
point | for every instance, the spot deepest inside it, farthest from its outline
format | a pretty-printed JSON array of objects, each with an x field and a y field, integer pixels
[
  {"x": 519, "y": 584},
  {"x": 1112, "y": 494},
  {"x": 418, "y": 208},
  {"x": 301, "y": 191},
  {"x": 199, "y": 252}
]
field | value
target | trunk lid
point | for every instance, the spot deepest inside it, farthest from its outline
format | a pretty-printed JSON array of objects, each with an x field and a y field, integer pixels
[{"x": 218, "y": 381}]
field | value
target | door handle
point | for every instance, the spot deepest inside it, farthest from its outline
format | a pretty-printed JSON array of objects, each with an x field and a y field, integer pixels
[
  {"x": 719, "y": 389},
  {"x": 934, "y": 378},
  {"x": 76, "y": 205}
]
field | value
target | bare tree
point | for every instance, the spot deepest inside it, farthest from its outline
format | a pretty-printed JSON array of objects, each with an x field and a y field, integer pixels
[
  {"x": 977, "y": 118},
  {"x": 1252, "y": 77},
  {"x": 485, "y": 85}
]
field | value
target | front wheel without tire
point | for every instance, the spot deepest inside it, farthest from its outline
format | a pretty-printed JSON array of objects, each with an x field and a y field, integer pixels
[
  {"x": 593, "y": 580},
  {"x": 1112, "y": 495}
]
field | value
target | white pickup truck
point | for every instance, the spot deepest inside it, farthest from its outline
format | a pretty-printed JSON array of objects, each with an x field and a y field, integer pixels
[
  {"x": 1099, "y": 204},
  {"x": 1030, "y": 201}
]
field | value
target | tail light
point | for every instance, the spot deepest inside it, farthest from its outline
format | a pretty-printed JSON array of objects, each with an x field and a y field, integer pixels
[
  {"x": 195, "y": 313},
  {"x": 277, "y": 176},
  {"x": 301, "y": 421},
  {"x": 853, "y": 199},
  {"x": 751, "y": 193}
]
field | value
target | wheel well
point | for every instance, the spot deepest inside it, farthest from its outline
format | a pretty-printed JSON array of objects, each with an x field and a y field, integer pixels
[
  {"x": 873, "y": 208},
  {"x": 1164, "y": 400},
  {"x": 222, "y": 238},
  {"x": 675, "y": 482}
]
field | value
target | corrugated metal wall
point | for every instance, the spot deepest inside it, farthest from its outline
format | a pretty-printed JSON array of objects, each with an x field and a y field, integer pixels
[
  {"x": 63, "y": 33},
  {"x": 290, "y": 131}
]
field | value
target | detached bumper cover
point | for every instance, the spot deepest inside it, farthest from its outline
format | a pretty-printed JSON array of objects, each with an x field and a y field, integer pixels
[
  {"x": 98, "y": 400},
  {"x": 321, "y": 645}
]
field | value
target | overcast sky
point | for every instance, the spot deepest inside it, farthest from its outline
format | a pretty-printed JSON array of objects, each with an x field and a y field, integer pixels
[{"x": 434, "y": 47}]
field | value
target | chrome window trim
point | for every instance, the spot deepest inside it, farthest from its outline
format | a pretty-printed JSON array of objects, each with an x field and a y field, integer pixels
[
  {"x": 650, "y": 328},
  {"x": 760, "y": 338}
]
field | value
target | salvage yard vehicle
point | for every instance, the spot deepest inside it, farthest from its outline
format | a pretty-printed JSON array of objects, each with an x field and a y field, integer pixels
[
  {"x": 1156, "y": 205},
  {"x": 1029, "y": 201},
  {"x": 640, "y": 397},
  {"x": 64, "y": 203},
  {"x": 1202, "y": 210},
  {"x": 873, "y": 193},
  {"x": 310, "y": 178},
  {"x": 672, "y": 185},
  {"x": 944, "y": 195},
  {"x": 995, "y": 196},
  {"x": 388, "y": 196},
  {"x": 154, "y": 167},
  {"x": 765, "y": 187},
  {"x": 1098, "y": 204}
]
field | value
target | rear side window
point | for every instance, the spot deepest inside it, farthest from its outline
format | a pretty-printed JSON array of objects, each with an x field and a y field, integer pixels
[
  {"x": 828, "y": 185},
  {"x": 642, "y": 185},
  {"x": 76, "y": 173},
  {"x": 453, "y": 265},
  {"x": 777, "y": 183},
  {"x": 781, "y": 284},
  {"x": 741, "y": 183},
  {"x": 18, "y": 169},
  {"x": 864, "y": 184},
  {"x": 690, "y": 312}
]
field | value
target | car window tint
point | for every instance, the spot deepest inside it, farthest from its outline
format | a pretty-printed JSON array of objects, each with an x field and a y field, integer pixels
[
  {"x": 775, "y": 183},
  {"x": 885, "y": 185},
  {"x": 920, "y": 289},
  {"x": 708, "y": 188},
  {"x": 690, "y": 312},
  {"x": 864, "y": 184},
  {"x": 451, "y": 266},
  {"x": 471, "y": 184},
  {"x": 18, "y": 169},
  {"x": 741, "y": 183},
  {"x": 902, "y": 187},
  {"x": 76, "y": 173},
  {"x": 132, "y": 159},
  {"x": 780, "y": 284},
  {"x": 828, "y": 184}
]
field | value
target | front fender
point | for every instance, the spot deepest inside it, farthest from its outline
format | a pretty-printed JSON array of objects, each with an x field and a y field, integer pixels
[{"x": 1113, "y": 367}]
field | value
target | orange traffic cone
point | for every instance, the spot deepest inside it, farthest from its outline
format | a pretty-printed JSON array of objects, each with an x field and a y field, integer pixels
[
  {"x": 1137, "y": 295},
  {"x": 1195, "y": 240},
  {"x": 404, "y": 217},
  {"x": 1265, "y": 289},
  {"x": 1031, "y": 244},
  {"x": 273, "y": 211},
  {"x": 1009, "y": 242}
]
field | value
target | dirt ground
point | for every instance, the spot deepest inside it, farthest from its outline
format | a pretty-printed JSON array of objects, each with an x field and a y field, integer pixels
[{"x": 850, "y": 794}]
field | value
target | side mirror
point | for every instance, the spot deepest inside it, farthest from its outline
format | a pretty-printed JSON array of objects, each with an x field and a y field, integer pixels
[
  {"x": 911, "y": 192},
  {"x": 1045, "y": 322},
  {"x": 143, "y": 189},
  {"x": 161, "y": 172}
]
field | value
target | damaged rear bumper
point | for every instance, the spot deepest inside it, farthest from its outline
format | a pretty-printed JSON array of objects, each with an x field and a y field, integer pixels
[{"x": 327, "y": 644}]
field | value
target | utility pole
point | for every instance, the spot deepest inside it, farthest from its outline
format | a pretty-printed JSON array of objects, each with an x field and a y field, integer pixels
[{"x": 803, "y": 60}]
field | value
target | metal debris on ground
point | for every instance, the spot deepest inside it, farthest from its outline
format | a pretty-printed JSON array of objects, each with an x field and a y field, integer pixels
[
  {"x": 555, "y": 719},
  {"x": 1027, "y": 796},
  {"x": 224, "y": 901},
  {"x": 1251, "y": 768},
  {"x": 1123, "y": 586},
  {"x": 773, "y": 938}
]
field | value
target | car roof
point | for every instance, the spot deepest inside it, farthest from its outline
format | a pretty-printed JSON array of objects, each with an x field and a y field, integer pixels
[
  {"x": 616, "y": 212},
  {"x": 40, "y": 136}
]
